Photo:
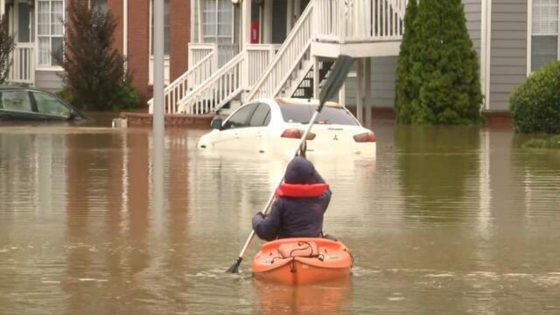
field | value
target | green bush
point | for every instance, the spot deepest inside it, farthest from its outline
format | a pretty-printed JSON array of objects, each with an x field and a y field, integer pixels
[
  {"x": 535, "y": 103},
  {"x": 7, "y": 45},
  {"x": 543, "y": 143}
]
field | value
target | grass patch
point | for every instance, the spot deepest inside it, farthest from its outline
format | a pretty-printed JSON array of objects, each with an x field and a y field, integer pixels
[{"x": 552, "y": 142}]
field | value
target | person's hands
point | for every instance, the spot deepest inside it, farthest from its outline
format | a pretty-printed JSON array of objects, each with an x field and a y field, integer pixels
[{"x": 260, "y": 214}]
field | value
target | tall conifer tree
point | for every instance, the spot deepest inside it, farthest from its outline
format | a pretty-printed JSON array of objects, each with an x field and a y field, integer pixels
[
  {"x": 445, "y": 70},
  {"x": 405, "y": 91}
]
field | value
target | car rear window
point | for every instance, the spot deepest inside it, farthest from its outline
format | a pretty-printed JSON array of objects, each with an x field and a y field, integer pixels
[{"x": 328, "y": 115}]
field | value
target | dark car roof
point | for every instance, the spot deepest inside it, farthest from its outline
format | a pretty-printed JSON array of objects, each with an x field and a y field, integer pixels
[
  {"x": 5, "y": 87},
  {"x": 22, "y": 87}
]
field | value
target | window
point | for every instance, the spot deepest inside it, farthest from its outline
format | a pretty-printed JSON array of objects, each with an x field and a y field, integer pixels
[
  {"x": 261, "y": 117},
  {"x": 296, "y": 113},
  {"x": 16, "y": 101},
  {"x": 241, "y": 117},
  {"x": 545, "y": 29},
  {"x": 217, "y": 21},
  {"x": 24, "y": 23},
  {"x": 166, "y": 28},
  {"x": 48, "y": 104},
  {"x": 50, "y": 16}
]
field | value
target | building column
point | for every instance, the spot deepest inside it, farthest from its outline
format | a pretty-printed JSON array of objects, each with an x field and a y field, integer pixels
[
  {"x": 267, "y": 22},
  {"x": 290, "y": 16},
  {"x": 2, "y": 7},
  {"x": 316, "y": 77},
  {"x": 245, "y": 23}
]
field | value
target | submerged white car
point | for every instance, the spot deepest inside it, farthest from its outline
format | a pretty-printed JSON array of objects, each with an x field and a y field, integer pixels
[{"x": 275, "y": 126}]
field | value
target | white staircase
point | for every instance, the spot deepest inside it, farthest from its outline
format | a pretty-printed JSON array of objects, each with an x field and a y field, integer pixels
[{"x": 268, "y": 71}]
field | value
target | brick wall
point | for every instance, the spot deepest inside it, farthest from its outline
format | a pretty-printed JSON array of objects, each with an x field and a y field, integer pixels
[
  {"x": 138, "y": 46},
  {"x": 180, "y": 20}
]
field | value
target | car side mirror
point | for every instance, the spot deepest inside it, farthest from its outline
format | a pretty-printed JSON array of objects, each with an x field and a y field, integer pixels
[
  {"x": 216, "y": 123},
  {"x": 73, "y": 115}
]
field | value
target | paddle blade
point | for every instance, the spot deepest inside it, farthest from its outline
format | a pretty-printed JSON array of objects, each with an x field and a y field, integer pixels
[
  {"x": 337, "y": 77},
  {"x": 235, "y": 267}
]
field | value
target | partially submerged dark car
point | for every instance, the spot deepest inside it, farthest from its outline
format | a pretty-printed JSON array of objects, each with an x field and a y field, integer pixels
[{"x": 31, "y": 104}]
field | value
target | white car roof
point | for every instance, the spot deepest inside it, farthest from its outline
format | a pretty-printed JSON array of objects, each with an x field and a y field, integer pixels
[{"x": 298, "y": 101}]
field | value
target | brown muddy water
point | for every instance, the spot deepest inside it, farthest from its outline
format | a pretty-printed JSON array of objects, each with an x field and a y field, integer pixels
[{"x": 446, "y": 220}]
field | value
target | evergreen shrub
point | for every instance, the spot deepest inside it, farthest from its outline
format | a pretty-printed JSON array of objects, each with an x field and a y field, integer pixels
[
  {"x": 7, "y": 46},
  {"x": 94, "y": 71},
  {"x": 535, "y": 103},
  {"x": 438, "y": 72}
]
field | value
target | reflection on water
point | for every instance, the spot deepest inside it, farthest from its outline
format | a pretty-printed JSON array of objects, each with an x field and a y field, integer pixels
[{"x": 446, "y": 220}]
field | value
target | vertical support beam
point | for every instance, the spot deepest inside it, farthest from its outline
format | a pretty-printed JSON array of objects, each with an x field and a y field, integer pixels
[
  {"x": 369, "y": 100},
  {"x": 316, "y": 77},
  {"x": 2, "y": 6},
  {"x": 360, "y": 97}
]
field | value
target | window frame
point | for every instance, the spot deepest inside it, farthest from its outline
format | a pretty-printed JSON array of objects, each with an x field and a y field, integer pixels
[
  {"x": 50, "y": 36},
  {"x": 227, "y": 126},
  {"x": 531, "y": 35},
  {"x": 216, "y": 37}
]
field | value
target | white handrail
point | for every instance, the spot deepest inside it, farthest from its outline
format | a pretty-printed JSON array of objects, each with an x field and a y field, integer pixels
[
  {"x": 287, "y": 58},
  {"x": 175, "y": 91},
  {"x": 217, "y": 90}
]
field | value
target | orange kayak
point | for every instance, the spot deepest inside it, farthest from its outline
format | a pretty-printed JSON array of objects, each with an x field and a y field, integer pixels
[{"x": 302, "y": 261}]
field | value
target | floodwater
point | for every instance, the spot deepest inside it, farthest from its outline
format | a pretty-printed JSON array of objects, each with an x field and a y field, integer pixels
[{"x": 446, "y": 220}]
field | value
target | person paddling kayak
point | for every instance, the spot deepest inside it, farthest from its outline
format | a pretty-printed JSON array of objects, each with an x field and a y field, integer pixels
[{"x": 301, "y": 202}]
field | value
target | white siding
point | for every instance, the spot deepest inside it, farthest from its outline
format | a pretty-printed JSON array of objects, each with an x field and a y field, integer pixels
[
  {"x": 382, "y": 83},
  {"x": 48, "y": 80}
]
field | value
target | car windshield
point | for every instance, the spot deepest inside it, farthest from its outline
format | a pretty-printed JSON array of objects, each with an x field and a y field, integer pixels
[{"x": 298, "y": 113}]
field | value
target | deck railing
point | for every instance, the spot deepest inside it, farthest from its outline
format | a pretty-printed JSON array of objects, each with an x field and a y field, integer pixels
[
  {"x": 22, "y": 69},
  {"x": 217, "y": 90},
  {"x": 359, "y": 20},
  {"x": 229, "y": 81}
]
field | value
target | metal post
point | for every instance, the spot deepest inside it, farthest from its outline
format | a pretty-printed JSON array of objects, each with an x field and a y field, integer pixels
[
  {"x": 158, "y": 124},
  {"x": 158, "y": 132}
]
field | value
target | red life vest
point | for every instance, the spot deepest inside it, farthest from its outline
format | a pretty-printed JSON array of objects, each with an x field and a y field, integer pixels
[{"x": 301, "y": 190}]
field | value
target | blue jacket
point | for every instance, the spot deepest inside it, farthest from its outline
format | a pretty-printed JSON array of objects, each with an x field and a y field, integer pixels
[{"x": 300, "y": 204}]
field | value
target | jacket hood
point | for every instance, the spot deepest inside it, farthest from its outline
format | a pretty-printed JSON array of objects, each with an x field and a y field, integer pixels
[{"x": 300, "y": 171}]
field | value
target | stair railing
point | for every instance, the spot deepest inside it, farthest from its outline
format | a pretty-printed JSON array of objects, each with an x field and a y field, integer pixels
[
  {"x": 189, "y": 80},
  {"x": 287, "y": 59},
  {"x": 221, "y": 87}
]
